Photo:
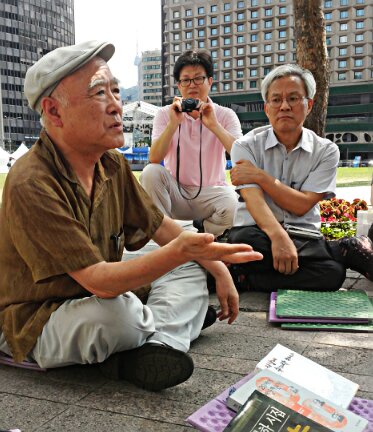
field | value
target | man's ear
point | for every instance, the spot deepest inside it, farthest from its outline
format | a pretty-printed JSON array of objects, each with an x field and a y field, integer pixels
[
  {"x": 309, "y": 105},
  {"x": 266, "y": 109},
  {"x": 50, "y": 107}
]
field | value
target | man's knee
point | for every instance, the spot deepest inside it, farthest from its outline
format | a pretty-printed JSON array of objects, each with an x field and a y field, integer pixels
[{"x": 151, "y": 174}]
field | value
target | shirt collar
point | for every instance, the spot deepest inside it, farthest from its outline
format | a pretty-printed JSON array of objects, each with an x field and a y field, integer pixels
[{"x": 305, "y": 141}]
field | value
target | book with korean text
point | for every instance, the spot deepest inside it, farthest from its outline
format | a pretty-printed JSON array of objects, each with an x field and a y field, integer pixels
[
  {"x": 310, "y": 375},
  {"x": 298, "y": 399}
]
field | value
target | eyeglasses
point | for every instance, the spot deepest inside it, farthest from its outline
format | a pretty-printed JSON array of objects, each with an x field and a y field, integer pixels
[
  {"x": 196, "y": 81},
  {"x": 292, "y": 101}
]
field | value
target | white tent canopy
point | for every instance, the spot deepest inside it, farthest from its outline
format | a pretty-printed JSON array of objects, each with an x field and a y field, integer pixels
[
  {"x": 4, "y": 159},
  {"x": 21, "y": 150}
]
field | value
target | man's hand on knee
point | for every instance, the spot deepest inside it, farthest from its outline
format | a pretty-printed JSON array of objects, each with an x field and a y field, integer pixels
[{"x": 285, "y": 255}]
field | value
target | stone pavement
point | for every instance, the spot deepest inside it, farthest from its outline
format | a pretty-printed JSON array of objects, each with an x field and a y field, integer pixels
[{"x": 79, "y": 399}]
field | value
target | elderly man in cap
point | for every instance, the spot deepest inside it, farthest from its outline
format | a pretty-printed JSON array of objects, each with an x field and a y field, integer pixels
[{"x": 70, "y": 207}]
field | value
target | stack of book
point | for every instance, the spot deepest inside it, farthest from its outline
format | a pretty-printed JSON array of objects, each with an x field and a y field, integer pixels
[
  {"x": 314, "y": 310},
  {"x": 287, "y": 392}
]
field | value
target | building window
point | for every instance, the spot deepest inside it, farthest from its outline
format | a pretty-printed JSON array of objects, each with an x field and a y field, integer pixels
[
  {"x": 240, "y": 4},
  {"x": 214, "y": 88},
  {"x": 254, "y": 2},
  {"x": 189, "y": 23},
  {"x": 341, "y": 76},
  {"x": 176, "y": 25},
  {"x": 328, "y": 4},
  {"x": 254, "y": 25},
  {"x": 227, "y": 86},
  {"x": 201, "y": 44},
  {"x": 268, "y": 12},
  {"x": 254, "y": 14},
  {"x": 227, "y": 52},
  {"x": 268, "y": 24},
  {"x": 240, "y": 27},
  {"x": 358, "y": 62},
  {"x": 201, "y": 10},
  {"x": 214, "y": 54},
  {"x": 282, "y": 22},
  {"x": 240, "y": 16},
  {"x": 253, "y": 37},
  {"x": 282, "y": 34},
  {"x": 176, "y": 14},
  {"x": 240, "y": 51},
  {"x": 282, "y": 46},
  {"x": 282, "y": 10},
  {"x": 359, "y": 37},
  {"x": 328, "y": 41},
  {"x": 253, "y": 60},
  {"x": 226, "y": 75},
  {"x": 176, "y": 47},
  {"x": 240, "y": 39},
  {"x": 227, "y": 18},
  {"x": 239, "y": 74},
  {"x": 328, "y": 16},
  {"x": 214, "y": 8},
  {"x": 240, "y": 62},
  {"x": 227, "y": 63},
  {"x": 360, "y": 12},
  {"x": 358, "y": 75},
  {"x": 188, "y": 35},
  {"x": 343, "y": 27},
  {"x": 342, "y": 51},
  {"x": 268, "y": 47},
  {"x": 266, "y": 71},
  {"x": 227, "y": 6},
  {"x": 281, "y": 57},
  {"x": 176, "y": 36},
  {"x": 343, "y": 39},
  {"x": 328, "y": 28},
  {"x": 227, "y": 41},
  {"x": 359, "y": 50},
  {"x": 214, "y": 31},
  {"x": 359, "y": 24},
  {"x": 343, "y": 14},
  {"x": 268, "y": 35},
  {"x": 239, "y": 85},
  {"x": 201, "y": 33},
  {"x": 267, "y": 59},
  {"x": 252, "y": 84},
  {"x": 201, "y": 21},
  {"x": 188, "y": 46},
  {"x": 343, "y": 2},
  {"x": 188, "y": 12},
  {"x": 214, "y": 20},
  {"x": 253, "y": 72},
  {"x": 227, "y": 29},
  {"x": 254, "y": 49},
  {"x": 214, "y": 42},
  {"x": 342, "y": 64}
]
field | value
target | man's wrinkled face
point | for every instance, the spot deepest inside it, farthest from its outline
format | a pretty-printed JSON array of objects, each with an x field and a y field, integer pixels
[
  {"x": 91, "y": 110},
  {"x": 294, "y": 106}
]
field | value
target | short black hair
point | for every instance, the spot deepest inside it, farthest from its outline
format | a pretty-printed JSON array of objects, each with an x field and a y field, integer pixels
[{"x": 194, "y": 58}]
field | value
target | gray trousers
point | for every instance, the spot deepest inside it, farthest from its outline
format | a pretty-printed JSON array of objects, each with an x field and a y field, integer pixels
[
  {"x": 90, "y": 329},
  {"x": 215, "y": 204}
]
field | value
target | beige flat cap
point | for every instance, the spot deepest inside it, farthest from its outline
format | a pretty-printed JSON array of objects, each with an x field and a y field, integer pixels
[{"x": 43, "y": 77}]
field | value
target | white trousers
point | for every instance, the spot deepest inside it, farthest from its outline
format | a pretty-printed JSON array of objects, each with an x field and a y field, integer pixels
[
  {"x": 90, "y": 329},
  {"x": 216, "y": 205}
]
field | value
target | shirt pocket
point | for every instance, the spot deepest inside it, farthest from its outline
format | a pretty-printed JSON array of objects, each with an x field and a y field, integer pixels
[{"x": 116, "y": 246}]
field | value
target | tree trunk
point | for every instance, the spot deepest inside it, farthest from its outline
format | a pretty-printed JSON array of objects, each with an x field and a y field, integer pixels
[{"x": 312, "y": 54}]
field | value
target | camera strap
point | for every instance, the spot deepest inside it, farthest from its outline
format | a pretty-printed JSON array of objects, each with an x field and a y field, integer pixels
[{"x": 178, "y": 164}]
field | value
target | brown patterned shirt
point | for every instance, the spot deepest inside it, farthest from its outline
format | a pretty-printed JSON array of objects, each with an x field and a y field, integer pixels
[{"x": 50, "y": 227}]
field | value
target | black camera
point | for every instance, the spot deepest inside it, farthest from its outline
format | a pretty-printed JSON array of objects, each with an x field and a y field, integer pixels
[{"x": 189, "y": 105}]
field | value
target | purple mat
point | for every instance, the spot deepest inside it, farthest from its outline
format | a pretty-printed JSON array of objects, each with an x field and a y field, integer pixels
[
  {"x": 7, "y": 360},
  {"x": 215, "y": 416},
  {"x": 272, "y": 317}
]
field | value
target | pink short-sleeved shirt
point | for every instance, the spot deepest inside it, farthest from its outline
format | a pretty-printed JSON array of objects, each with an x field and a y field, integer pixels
[{"x": 213, "y": 152}]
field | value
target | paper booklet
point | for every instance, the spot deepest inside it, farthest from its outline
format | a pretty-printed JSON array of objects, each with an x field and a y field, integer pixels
[
  {"x": 310, "y": 375},
  {"x": 299, "y": 399}
]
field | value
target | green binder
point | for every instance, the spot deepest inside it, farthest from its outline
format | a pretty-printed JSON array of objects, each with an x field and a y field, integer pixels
[
  {"x": 361, "y": 328},
  {"x": 325, "y": 304}
]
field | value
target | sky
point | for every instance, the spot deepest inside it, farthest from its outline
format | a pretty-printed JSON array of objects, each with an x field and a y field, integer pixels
[{"x": 131, "y": 25}]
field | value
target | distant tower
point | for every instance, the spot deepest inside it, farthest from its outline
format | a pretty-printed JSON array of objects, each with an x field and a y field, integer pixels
[{"x": 150, "y": 77}]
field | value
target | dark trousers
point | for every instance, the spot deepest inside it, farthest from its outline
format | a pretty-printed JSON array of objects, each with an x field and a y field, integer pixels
[{"x": 321, "y": 265}]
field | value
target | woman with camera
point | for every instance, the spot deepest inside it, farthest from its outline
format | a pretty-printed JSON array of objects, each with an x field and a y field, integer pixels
[{"x": 191, "y": 136}]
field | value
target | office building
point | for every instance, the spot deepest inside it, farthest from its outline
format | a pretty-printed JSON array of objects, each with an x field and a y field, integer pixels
[
  {"x": 247, "y": 38},
  {"x": 150, "y": 77},
  {"x": 28, "y": 30}
]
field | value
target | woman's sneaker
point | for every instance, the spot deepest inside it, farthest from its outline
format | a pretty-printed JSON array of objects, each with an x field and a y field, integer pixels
[{"x": 358, "y": 254}]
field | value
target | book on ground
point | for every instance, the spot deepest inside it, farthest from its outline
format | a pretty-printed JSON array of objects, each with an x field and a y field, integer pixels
[
  {"x": 299, "y": 399},
  {"x": 263, "y": 414},
  {"x": 310, "y": 375}
]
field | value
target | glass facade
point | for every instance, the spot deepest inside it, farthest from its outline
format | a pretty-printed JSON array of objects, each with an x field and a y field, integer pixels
[{"x": 28, "y": 30}]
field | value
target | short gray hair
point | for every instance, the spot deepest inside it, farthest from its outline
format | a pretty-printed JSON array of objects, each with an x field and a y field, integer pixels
[{"x": 290, "y": 70}]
